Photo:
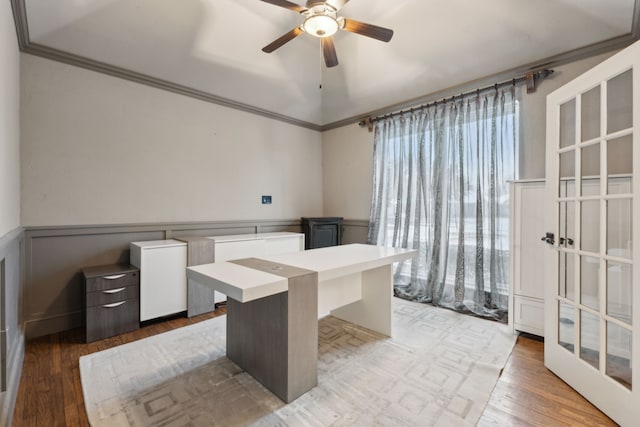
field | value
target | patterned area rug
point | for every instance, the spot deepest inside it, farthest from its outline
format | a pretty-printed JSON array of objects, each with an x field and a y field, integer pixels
[{"x": 438, "y": 370}]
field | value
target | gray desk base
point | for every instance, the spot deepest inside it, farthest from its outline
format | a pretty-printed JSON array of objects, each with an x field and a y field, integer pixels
[{"x": 275, "y": 339}]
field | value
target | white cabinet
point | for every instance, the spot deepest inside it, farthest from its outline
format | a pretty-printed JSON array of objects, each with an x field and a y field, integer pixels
[
  {"x": 236, "y": 249},
  {"x": 255, "y": 245},
  {"x": 526, "y": 299},
  {"x": 163, "y": 265},
  {"x": 163, "y": 282},
  {"x": 526, "y": 294}
]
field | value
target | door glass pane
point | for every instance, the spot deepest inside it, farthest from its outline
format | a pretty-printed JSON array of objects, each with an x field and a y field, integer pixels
[
  {"x": 567, "y": 276},
  {"x": 619, "y": 229},
  {"x": 619, "y": 162},
  {"x": 568, "y": 123},
  {"x": 568, "y": 164},
  {"x": 589, "y": 289},
  {"x": 590, "y": 170},
  {"x": 567, "y": 221},
  {"x": 590, "y": 338},
  {"x": 591, "y": 187},
  {"x": 619, "y": 354},
  {"x": 590, "y": 120},
  {"x": 566, "y": 326},
  {"x": 620, "y": 185},
  {"x": 590, "y": 226},
  {"x": 562, "y": 221},
  {"x": 620, "y": 102},
  {"x": 619, "y": 291},
  {"x": 568, "y": 187}
]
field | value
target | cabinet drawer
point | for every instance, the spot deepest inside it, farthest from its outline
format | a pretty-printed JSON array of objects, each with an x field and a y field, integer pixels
[
  {"x": 109, "y": 296},
  {"x": 112, "y": 281},
  {"x": 107, "y": 320}
]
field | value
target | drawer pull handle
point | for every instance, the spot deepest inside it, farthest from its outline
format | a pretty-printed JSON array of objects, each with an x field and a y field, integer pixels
[
  {"x": 114, "y": 277},
  {"x": 113, "y": 291},
  {"x": 115, "y": 304}
]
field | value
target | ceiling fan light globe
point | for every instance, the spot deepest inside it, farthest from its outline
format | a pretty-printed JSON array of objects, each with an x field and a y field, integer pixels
[{"x": 320, "y": 25}]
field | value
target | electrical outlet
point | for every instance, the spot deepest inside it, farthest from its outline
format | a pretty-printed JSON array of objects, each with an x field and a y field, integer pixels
[{"x": 266, "y": 200}]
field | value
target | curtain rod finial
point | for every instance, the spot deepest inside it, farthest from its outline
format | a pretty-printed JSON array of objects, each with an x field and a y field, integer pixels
[
  {"x": 368, "y": 123},
  {"x": 530, "y": 78}
]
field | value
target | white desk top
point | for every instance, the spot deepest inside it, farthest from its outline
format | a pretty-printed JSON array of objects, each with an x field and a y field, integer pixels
[
  {"x": 246, "y": 284},
  {"x": 240, "y": 283},
  {"x": 338, "y": 261}
]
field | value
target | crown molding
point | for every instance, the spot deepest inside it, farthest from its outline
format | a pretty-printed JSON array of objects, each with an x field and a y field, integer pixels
[
  {"x": 26, "y": 46},
  {"x": 547, "y": 63},
  {"x": 123, "y": 73},
  {"x": 20, "y": 19}
]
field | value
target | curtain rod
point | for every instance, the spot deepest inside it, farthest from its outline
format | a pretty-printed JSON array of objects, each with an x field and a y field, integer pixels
[{"x": 530, "y": 78}]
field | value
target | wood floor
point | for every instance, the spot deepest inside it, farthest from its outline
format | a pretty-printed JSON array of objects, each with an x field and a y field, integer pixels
[{"x": 527, "y": 394}]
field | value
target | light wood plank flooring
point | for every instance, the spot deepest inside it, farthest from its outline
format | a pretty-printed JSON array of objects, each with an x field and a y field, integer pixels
[{"x": 527, "y": 394}]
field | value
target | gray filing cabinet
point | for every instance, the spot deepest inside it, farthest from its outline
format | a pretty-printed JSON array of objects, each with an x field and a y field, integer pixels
[{"x": 111, "y": 295}]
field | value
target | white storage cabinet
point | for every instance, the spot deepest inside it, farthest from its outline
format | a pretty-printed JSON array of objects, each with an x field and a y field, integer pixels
[
  {"x": 163, "y": 280},
  {"x": 526, "y": 293}
]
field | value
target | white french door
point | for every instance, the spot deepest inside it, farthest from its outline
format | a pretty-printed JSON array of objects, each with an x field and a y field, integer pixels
[{"x": 592, "y": 293}]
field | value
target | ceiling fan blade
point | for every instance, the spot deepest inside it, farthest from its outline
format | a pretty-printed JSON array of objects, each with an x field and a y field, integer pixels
[
  {"x": 287, "y": 5},
  {"x": 337, "y": 4},
  {"x": 282, "y": 40},
  {"x": 369, "y": 30},
  {"x": 329, "y": 52}
]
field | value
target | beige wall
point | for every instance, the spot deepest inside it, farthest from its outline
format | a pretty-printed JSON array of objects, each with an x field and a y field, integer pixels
[
  {"x": 154, "y": 156},
  {"x": 347, "y": 159},
  {"x": 533, "y": 110},
  {"x": 102, "y": 150},
  {"x": 9, "y": 122},
  {"x": 347, "y": 152}
]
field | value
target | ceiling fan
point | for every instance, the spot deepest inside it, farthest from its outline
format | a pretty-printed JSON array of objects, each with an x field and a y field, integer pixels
[{"x": 321, "y": 20}]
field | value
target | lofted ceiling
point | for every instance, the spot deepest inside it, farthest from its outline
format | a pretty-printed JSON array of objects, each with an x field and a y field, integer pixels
[{"x": 211, "y": 49}]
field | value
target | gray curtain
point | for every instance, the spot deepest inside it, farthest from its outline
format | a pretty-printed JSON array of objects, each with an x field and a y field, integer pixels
[{"x": 440, "y": 186}]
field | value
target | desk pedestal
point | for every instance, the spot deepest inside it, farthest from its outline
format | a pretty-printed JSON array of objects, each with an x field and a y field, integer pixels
[{"x": 275, "y": 339}]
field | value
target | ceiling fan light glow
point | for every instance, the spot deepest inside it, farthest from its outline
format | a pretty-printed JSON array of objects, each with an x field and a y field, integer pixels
[{"x": 321, "y": 25}]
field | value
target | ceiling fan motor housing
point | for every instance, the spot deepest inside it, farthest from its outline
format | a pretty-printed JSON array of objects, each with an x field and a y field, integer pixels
[{"x": 321, "y": 19}]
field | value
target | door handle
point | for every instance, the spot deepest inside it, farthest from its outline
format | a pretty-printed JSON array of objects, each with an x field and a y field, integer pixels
[
  {"x": 114, "y": 277},
  {"x": 568, "y": 241},
  {"x": 115, "y": 304},
  {"x": 548, "y": 238},
  {"x": 113, "y": 291}
]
